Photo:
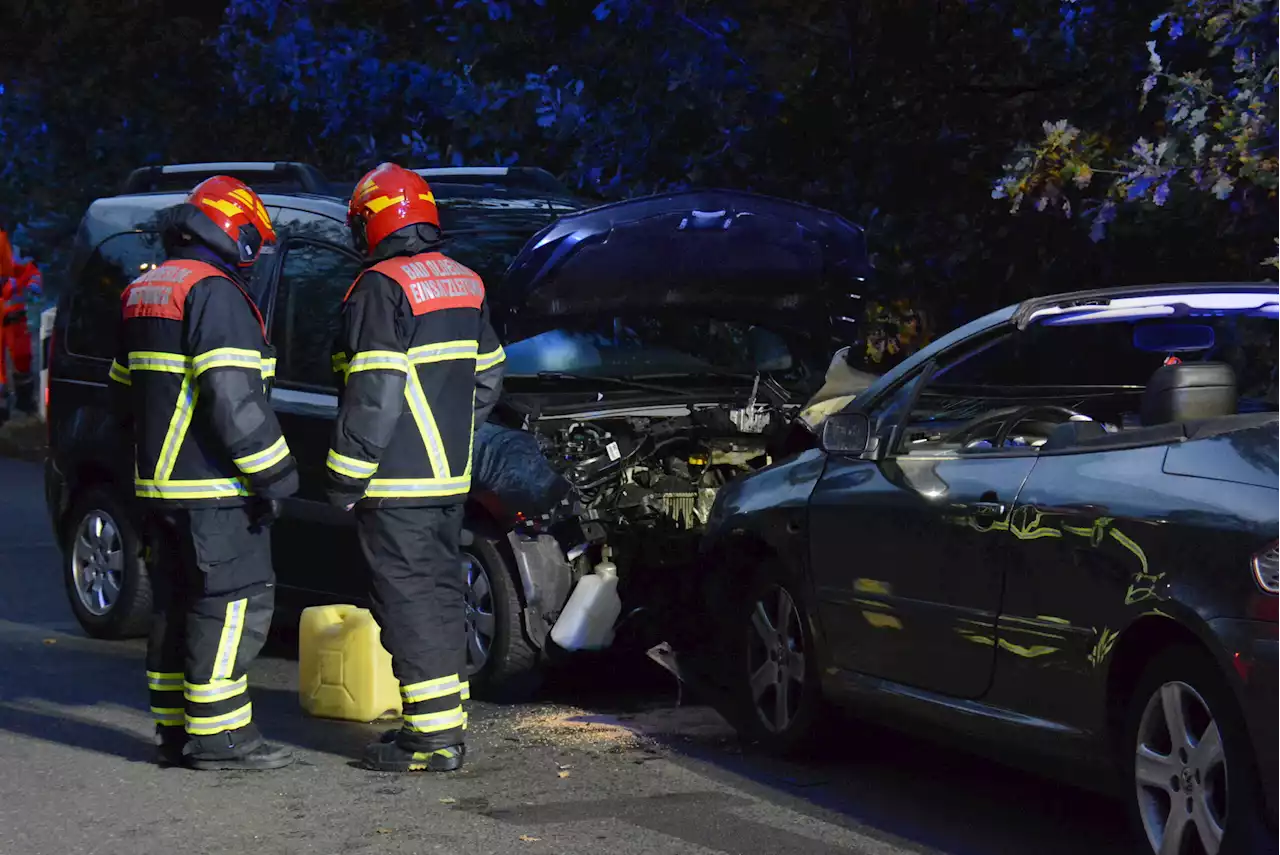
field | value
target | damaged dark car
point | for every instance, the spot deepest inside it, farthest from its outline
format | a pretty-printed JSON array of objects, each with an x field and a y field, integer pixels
[{"x": 657, "y": 349}]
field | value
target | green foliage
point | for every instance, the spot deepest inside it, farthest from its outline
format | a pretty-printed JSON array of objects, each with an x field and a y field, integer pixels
[
  {"x": 899, "y": 114},
  {"x": 1214, "y": 137}
]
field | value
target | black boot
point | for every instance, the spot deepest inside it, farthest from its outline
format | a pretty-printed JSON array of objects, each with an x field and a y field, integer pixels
[
  {"x": 170, "y": 741},
  {"x": 386, "y": 755},
  {"x": 237, "y": 750},
  {"x": 389, "y": 736}
]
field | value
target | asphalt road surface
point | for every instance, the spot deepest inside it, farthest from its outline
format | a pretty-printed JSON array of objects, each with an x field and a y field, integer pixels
[{"x": 565, "y": 775}]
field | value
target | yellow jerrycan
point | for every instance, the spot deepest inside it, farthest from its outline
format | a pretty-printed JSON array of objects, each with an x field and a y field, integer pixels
[{"x": 344, "y": 672}]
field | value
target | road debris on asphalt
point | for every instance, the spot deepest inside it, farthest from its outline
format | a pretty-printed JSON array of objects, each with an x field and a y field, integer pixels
[{"x": 570, "y": 726}]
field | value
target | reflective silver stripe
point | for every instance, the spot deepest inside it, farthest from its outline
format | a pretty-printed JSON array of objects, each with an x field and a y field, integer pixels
[
  {"x": 435, "y": 722},
  {"x": 169, "y": 716},
  {"x": 172, "y": 363},
  {"x": 177, "y": 432},
  {"x": 213, "y": 488},
  {"x": 229, "y": 643},
  {"x": 119, "y": 373},
  {"x": 430, "y": 689},
  {"x": 218, "y": 690},
  {"x": 227, "y": 357},
  {"x": 426, "y": 422},
  {"x": 444, "y": 350},
  {"x": 164, "y": 681},
  {"x": 349, "y": 466},
  {"x": 265, "y": 459},
  {"x": 209, "y": 725},
  {"x": 410, "y": 488},
  {"x": 485, "y": 361},
  {"x": 371, "y": 360}
]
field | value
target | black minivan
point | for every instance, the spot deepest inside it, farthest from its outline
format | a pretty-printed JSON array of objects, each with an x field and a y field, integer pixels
[{"x": 655, "y": 350}]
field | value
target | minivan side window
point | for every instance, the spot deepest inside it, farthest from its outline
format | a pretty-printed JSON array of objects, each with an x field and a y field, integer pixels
[
  {"x": 95, "y": 302},
  {"x": 313, "y": 280}
]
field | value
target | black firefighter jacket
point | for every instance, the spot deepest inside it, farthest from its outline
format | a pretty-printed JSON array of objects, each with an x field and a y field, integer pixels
[
  {"x": 191, "y": 377},
  {"x": 420, "y": 369}
]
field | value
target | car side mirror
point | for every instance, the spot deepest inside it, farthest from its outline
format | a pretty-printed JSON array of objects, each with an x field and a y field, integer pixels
[{"x": 846, "y": 433}]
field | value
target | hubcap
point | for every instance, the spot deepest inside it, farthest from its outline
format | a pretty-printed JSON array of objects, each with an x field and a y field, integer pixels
[
  {"x": 776, "y": 659},
  {"x": 97, "y": 562},
  {"x": 479, "y": 616},
  {"x": 1181, "y": 773}
]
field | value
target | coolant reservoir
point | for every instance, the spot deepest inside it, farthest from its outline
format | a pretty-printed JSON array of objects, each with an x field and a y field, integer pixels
[
  {"x": 344, "y": 671},
  {"x": 586, "y": 623}
]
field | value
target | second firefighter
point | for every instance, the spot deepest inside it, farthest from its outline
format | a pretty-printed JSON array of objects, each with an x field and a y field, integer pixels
[{"x": 420, "y": 368}]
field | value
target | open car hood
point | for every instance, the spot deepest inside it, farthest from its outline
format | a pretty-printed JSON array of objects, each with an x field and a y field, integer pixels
[{"x": 726, "y": 253}]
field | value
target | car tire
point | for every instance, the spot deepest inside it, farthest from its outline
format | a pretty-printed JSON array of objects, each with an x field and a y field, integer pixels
[
  {"x": 105, "y": 576},
  {"x": 512, "y": 669},
  {"x": 781, "y": 710},
  {"x": 1187, "y": 781}
]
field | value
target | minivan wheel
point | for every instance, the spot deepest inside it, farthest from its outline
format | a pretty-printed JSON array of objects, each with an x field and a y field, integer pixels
[
  {"x": 1191, "y": 767},
  {"x": 105, "y": 577},
  {"x": 503, "y": 664},
  {"x": 774, "y": 688}
]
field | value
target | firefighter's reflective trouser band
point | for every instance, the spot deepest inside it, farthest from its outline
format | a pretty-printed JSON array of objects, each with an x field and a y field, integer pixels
[
  {"x": 418, "y": 601},
  {"x": 214, "y": 594}
]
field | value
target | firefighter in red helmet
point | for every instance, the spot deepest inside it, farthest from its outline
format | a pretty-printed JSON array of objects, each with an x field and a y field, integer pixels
[
  {"x": 192, "y": 374},
  {"x": 420, "y": 369}
]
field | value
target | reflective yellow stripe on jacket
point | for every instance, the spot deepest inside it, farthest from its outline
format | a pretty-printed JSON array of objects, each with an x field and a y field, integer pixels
[
  {"x": 374, "y": 360},
  {"x": 442, "y": 351},
  {"x": 417, "y": 488},
  {"x": 485, "y": 361},
  {"x": 211, "y": 488},
  {"x": 179, "y": 422},
  {"x": 120, "y": 373},
  {"x": 161, "y": 485},
  {"x": 265, "y": 459},
  {"x": 350, "y": 466},
  {"x": 426, "y": 422},
  {"x": 227, "y": 357}
]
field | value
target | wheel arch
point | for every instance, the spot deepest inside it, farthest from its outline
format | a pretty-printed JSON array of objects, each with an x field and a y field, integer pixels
[
  {"x": 744, "y": 550},
  {"x": 1139, "y": 644}
]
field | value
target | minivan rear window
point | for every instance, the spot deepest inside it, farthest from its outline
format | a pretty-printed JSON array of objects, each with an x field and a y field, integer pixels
[{"x": 95, "y": 302}]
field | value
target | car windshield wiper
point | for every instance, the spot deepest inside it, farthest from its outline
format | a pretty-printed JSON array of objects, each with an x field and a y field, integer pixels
[{"x": 626, "y": 382}]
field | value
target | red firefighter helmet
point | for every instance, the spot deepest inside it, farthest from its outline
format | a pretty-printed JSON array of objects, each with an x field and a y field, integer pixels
[
  {"x": 388, "y": 199},
  {"x": 242, "y": 225}
]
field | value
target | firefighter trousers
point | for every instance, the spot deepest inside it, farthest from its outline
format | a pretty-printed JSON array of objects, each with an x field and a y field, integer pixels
[
  {"x": 214, "y": 593},
  {"x": 419, "y": 601}
]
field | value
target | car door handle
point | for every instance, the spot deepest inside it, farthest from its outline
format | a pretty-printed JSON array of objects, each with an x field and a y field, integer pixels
[{"x": 988, "y": 509}]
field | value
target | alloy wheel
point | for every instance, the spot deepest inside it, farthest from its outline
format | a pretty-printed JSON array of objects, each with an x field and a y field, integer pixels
[
  {"x": 776, "y": 659},
  {"x": 97, "y": 562},
  {"x": 480, "y": 622},
  {"x": 1180, "y": 773}
]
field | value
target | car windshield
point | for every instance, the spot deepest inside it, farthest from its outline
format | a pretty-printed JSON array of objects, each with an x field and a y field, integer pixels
[
  {"x": 487, "y": 238},
  {"x": 654, "y": 346}
]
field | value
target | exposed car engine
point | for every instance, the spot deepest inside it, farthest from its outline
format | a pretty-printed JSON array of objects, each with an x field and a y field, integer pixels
[
  {"x": 653, "y": 470},
  {"x": 634, "y": 485}
]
